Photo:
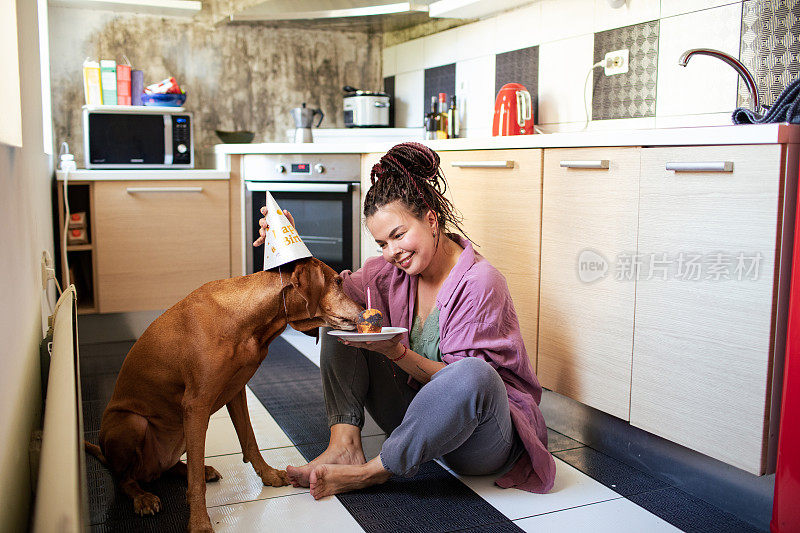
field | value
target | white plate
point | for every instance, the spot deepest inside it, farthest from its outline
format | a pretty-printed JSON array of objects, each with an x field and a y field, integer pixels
[{"x": 384, "y": 334}]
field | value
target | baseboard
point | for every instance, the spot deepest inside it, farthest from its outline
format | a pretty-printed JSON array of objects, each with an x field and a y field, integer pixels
[{"x": 735, "y": 491}]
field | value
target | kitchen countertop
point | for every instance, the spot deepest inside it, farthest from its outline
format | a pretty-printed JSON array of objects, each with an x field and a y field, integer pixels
[
  {"x": 699, "y": 136},
  {"x": 145, "y": 174}
]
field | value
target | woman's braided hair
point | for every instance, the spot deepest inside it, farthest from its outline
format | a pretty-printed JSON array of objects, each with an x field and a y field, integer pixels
[{"x": 409, "y": 172}]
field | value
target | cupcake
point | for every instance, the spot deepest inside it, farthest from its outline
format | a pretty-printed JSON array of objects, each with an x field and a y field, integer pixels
[{"x": 369, "y": 321}]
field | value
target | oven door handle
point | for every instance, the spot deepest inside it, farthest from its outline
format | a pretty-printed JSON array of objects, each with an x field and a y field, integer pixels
[{"x": 296, "y": 187}]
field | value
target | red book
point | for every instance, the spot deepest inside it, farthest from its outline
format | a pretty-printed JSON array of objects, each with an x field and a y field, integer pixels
[{"x": 123, "y": 85}]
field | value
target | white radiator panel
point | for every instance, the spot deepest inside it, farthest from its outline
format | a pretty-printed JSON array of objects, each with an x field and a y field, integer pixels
[{"x": 61, "y": 490}]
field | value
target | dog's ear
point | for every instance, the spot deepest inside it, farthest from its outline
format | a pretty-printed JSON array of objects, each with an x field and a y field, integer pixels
[{"x": 309, "y": 281}]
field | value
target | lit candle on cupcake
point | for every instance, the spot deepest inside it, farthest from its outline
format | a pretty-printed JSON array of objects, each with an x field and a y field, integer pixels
[{"x": 370, "y": 320}]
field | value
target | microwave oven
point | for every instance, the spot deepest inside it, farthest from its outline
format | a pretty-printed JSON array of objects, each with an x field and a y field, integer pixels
[{"x": 137, "y": 137}]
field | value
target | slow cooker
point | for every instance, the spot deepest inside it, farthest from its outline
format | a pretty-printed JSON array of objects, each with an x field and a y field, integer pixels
[{"x": 365, "y": 109}]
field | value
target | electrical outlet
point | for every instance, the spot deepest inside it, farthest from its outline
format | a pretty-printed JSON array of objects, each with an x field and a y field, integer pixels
[{"x": 617, "y": 62}]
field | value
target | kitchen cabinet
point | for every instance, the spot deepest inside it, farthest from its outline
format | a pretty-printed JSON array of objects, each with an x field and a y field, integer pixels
[
  {"x": 156, "y": 241},
  {"x": 498, "y": 192},
  {"x": 708, "y": 317},
  {"x": 589, "y": 214}
]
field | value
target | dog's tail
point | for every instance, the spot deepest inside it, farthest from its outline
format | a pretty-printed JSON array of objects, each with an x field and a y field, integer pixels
[{"x": 95, "y": 450}]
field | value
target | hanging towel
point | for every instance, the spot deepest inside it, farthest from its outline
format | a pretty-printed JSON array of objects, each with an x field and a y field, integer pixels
[{"x": 785, "y": 109}]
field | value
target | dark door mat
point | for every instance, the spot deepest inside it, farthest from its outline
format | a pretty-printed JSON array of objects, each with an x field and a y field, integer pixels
[{"x": 432, "y": 501}]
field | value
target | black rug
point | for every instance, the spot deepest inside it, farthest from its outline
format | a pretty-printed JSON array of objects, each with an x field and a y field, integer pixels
[{"x": 290, "y": 387}]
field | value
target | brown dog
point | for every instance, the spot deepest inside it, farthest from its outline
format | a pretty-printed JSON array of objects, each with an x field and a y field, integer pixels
[{"x": 197, "y": 357}]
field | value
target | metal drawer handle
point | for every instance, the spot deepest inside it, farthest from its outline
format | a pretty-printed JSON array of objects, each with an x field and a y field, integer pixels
[
  {"x": 701, "y": 166},
  {"x": 260, "y": 186},
  {"x": 483, "y": 164},
  {"x": 134, "y": 190},
  {"x": 596, "y": 163},
  {"x": 381, "y": 104}
]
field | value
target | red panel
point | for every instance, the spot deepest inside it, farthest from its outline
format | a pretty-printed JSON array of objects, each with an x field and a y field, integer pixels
[{"x": 786, "y": 504}]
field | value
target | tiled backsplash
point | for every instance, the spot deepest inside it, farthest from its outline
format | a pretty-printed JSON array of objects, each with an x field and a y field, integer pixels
[
  {"x": 632, "y": 94},
  {"x": 550, "y": 45},
  {"x": 519, "y": 66},
  {"x": 770, "y": 47}
]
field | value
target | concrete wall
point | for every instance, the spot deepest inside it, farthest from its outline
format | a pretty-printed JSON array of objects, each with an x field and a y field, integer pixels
[
  {"x": 237, "y": 77},
  {"x": 25, "y": 230}
]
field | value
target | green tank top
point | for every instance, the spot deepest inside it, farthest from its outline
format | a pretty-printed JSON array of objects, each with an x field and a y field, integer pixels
[{"x": 424, "y": 338}]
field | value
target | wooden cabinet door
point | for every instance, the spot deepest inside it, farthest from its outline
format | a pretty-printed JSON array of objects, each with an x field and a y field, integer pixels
[
  {"x": 159, "y": 240},
  {"x": 703, "y": 331},
  {"x": 587, "y": 297},
  {"x": 499, "y": 194}
]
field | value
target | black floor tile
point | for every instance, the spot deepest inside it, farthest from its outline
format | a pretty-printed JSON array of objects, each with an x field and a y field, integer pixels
[
  {"x": 612, "y": 473},
  {"x": 97, "y": 387},
  {"x": 688, "y": 513},
  {"x": 105, "y": 349},
  {"x": 557, "y": 442},
  {"x": 107, "y": 364},
  {"x": 92, "y": 415}
]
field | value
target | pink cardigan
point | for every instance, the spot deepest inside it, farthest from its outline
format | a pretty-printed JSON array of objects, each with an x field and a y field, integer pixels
[{"x": 476, "y": 319}]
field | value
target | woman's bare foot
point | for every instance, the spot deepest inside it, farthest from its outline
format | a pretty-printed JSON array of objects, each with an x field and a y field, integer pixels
[
  {"x": 327, "y": 480},
  {"x": 344, "y": 449}
]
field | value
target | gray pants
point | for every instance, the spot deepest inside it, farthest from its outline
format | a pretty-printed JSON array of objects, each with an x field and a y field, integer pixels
[{"x": 460, "y": 416}]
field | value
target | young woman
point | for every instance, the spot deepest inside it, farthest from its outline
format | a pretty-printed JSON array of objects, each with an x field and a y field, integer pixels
[{"x": 459, "y": 385}]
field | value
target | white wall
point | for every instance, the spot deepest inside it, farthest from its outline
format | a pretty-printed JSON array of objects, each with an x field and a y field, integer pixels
[
  {"x": 25, "y": 230},
  {"x": 703, "y": 93}
]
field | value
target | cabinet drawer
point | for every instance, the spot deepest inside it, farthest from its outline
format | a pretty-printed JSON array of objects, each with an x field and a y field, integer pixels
[
  {"x": 498, "y": 192},
  {"x": 589, "y": 212},
  {"x": 159, "y": 240},
  {"x": 703, "y": 334}
]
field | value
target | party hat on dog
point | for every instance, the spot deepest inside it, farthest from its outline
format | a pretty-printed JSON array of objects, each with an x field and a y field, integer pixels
[{"x": 282, "y": 244}]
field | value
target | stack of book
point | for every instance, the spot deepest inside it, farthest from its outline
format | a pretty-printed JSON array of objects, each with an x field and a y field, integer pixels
[{"x": 108, "y": 83}]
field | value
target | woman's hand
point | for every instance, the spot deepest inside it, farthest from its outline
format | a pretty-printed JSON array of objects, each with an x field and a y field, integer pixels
[
  {"x": 262, "y": 222},
  {"x": 391, "y": 348}
]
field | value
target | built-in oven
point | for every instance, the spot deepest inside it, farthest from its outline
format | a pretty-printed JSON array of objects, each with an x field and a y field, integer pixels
[{"x": 321, "y": 191}]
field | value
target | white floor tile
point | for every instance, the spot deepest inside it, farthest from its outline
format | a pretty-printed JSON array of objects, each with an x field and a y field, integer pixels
[
  {"x": 221, "y": 436},
  {"x": 299, "y": 512},
  {"x": 240, "y": 483},
  {"x": 615, "y": 516},
  {"x": 572, "y": 488},
  {"x": 254, "y": 406}
]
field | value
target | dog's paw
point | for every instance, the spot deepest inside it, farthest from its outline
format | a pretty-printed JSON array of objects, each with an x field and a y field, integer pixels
[
  {"x": 146, "y": 504},
  {"x": 212, "y": 474},
  {"x": 275, "y": 478}
]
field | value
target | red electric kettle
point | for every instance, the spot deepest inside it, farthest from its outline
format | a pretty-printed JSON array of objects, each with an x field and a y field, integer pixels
[{"x": 513, "y": 111}]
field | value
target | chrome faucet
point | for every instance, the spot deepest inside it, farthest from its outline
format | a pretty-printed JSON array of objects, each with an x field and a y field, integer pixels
[{"x": 749, "y": 80}]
